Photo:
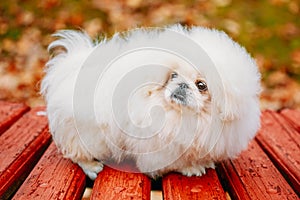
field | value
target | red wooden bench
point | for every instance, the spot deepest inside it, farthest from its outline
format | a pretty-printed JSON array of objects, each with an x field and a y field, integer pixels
[{"x": 32, "y": 168}]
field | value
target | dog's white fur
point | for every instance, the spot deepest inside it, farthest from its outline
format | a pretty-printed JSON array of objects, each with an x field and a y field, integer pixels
[{"x": 180, "y": 145}]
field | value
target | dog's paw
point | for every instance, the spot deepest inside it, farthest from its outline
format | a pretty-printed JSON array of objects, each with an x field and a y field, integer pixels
[
  {"x": 193, "y": 171},
  {"x": 197, "y": 170},
  {"x": 91, "y": 168}
]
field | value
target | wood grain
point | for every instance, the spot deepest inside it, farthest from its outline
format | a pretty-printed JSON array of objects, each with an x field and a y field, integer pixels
[
  {"x": 114, "y": 184},
  {"x": 177, "y": 186},
  {"x": 281, "y": 142},
  {"x": 10, "y": 113},
  {"x": 293, "y": 116},
  {"x": 54, "y": 177},
  {"x": 253, "y": 176},
  {"x": 231, "y": 180},
  {"x": 21, "y": 147}
]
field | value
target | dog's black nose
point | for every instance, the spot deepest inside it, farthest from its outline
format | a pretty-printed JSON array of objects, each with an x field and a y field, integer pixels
[
  {"x": 183, "y": 85},
  {"x": 180, "y": 94}
]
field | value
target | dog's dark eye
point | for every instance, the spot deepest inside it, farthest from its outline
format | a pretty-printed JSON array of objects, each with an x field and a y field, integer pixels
[
  {"x": 201, "y": 85},
  {"x": 174, "y": 75}
]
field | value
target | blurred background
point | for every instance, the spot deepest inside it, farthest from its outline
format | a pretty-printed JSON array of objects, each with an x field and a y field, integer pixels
[{"x": 269, "y": 29}]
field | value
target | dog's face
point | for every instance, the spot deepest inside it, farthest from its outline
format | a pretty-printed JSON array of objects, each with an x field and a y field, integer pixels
[
  {"x": 186, "y": 87},
  {"x": 182, "y": 93}
]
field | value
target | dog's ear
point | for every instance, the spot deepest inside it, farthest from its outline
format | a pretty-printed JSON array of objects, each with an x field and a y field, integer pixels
[
  {"x": 229, "y": 110},
  {"x": 228, "y": 101}
]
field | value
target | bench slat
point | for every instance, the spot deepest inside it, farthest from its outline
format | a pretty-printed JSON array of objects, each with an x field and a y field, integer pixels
[
  {"x": 253, "y": 176},
  {"x": 232, "y": 181},
  {"x": 24, "y": 137},
  {"x": 293, "y": 116},
  {"x": 114, "y": 184},
  {"x": 177, "y": 186},
  {"x": 21, "y": 146},
  {"x": 54, "y": 177},
  {"x": 281, "y": 142},
  {"x": 9, "y": 113}
]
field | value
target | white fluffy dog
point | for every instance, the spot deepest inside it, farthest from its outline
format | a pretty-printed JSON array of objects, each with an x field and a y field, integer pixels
[{"x": 203, "y": 116}]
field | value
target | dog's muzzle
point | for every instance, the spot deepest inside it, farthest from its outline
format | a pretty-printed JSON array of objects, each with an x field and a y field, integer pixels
[{"x": 179, "y": 95}]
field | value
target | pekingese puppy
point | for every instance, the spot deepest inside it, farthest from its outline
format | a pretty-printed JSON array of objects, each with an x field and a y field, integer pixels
[{"x": 152, "y": 106}]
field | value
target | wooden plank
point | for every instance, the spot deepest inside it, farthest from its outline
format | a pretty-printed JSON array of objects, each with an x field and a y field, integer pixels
[
  {"x": 177, "y": 186},
  {"x": 54, "y": 177},
  {"x": 10, "y": 113},
  {"x": 21, "y": 146},
  {"x": 281, "y": 142},
  {"x": 253, "y": 176},
  {"x": 231, "y": 180},
  {"x": 293, "y": 116},
  {"x": 114, "y": 184}
]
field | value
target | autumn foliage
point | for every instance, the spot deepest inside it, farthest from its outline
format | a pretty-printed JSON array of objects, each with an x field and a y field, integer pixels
[{"x": 269, "y": 29}]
